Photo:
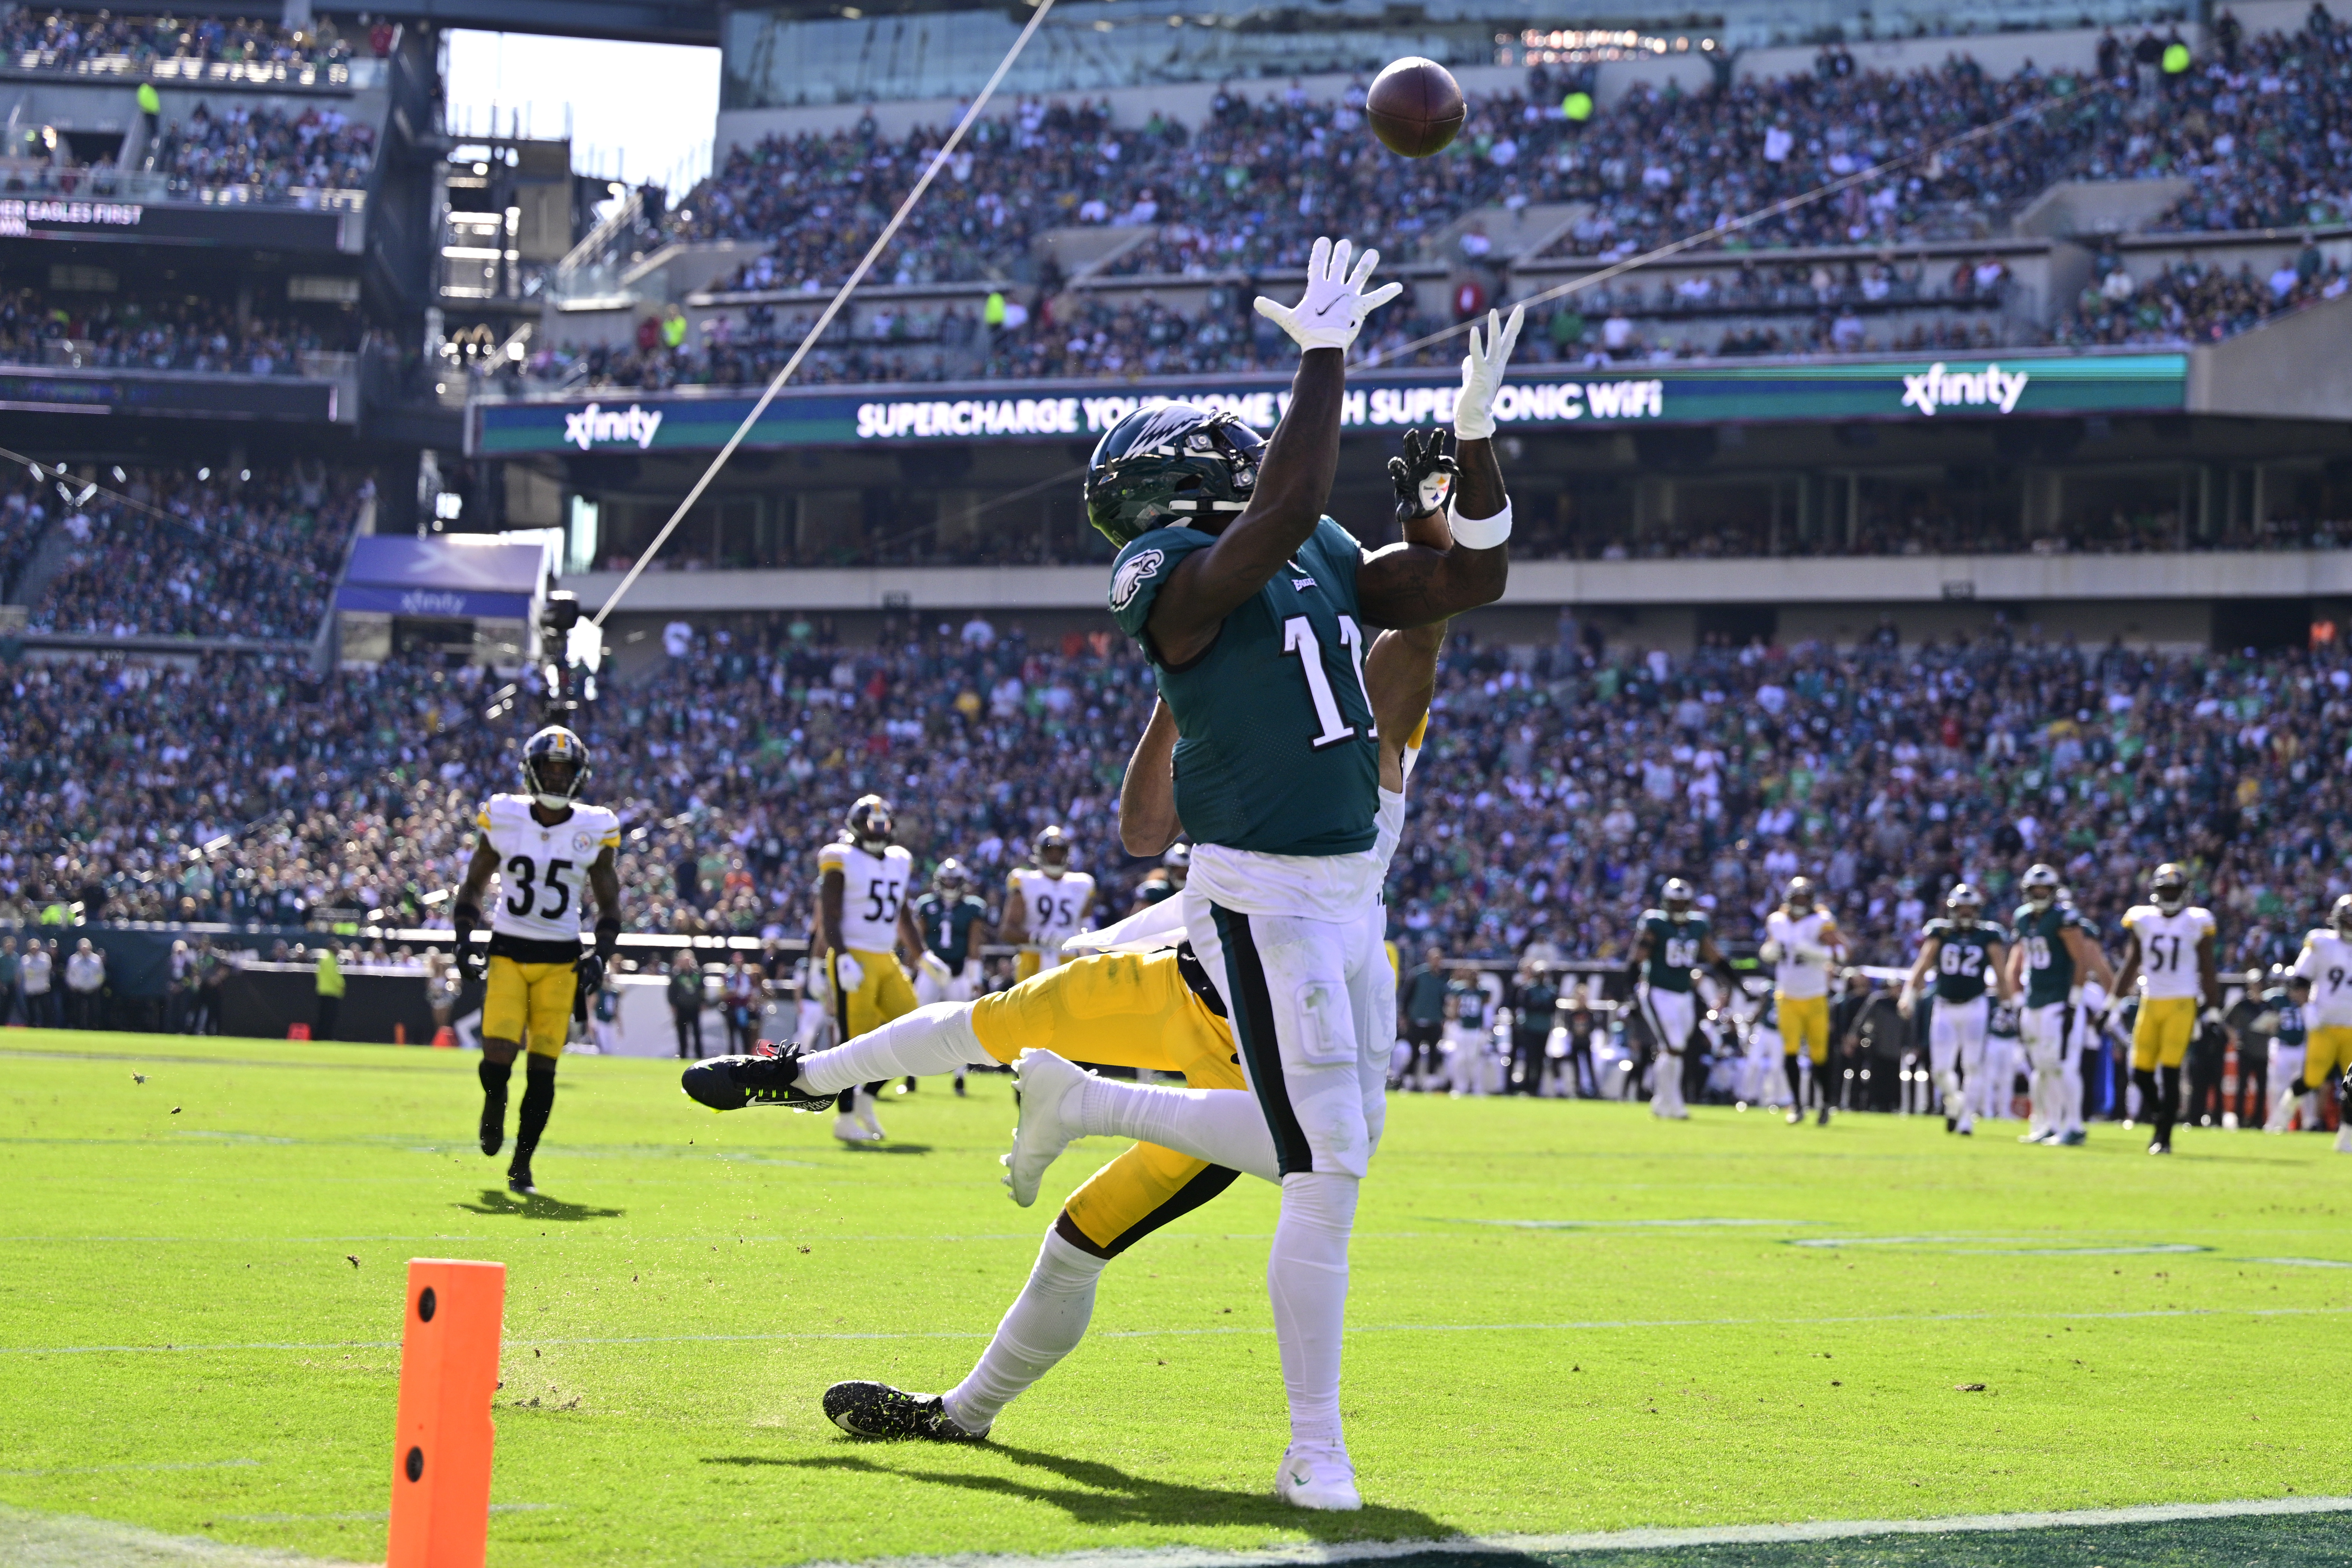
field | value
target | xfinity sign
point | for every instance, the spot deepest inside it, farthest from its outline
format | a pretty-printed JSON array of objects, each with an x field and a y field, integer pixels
[
  {"x": 596, "y": 426},
  {"x": 1992, "y": 387}
]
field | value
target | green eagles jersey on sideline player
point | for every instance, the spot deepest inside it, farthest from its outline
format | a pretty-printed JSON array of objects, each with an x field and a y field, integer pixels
[
  {"x": 1675, "y": 945},
  {"x": 1961, "y": 957},
  {"x": 2049, "y": 967},
  {"x": 1274, "y": 750},
  {"x": 946, "y": 925}
]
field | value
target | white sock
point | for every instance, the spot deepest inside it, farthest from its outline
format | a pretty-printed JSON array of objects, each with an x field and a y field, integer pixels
[
  {"x": 933, "y": 1039},
  {"x": 2070, "y": 1102},
  {"x": 1223, "y": 1126},
  {"x": 1043, "y": 1324},
  {"x": 1306, "y": 1279}
]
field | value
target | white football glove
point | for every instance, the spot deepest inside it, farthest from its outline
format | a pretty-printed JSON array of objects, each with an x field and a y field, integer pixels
[
  {"x": 932, "y": 965},
  {"x": 847, "y": 972},
  {"x": 1482, "y": 374},
  {"x": 1771, "y": 951},
  {"x": 1335, "y": 304}
]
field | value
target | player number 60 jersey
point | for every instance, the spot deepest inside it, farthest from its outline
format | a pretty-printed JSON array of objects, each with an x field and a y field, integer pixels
[{"x": 543, "y": 869}]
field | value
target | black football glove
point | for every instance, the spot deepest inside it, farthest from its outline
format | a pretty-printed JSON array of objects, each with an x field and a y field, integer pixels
[
  {"x": 589, "y": 978},
  {"x": 1423, "y": 477},
  {"x": 470, "y": 960}
]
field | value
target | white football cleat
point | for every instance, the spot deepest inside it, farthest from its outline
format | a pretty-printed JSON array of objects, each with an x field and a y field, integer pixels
[
  {"x": 1044, "y": 1083},
  {"x": 1318, "y": 1479},
  {"x": 2344, "y": 1139},
  {"x": 846, "y": 1128}
]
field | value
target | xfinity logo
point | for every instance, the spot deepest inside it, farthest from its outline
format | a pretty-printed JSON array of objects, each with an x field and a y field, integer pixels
[
  {"x": 596, "y": 424},
  {"x": 1992, "y": 387},
  {"x": 426, "y": 601}
]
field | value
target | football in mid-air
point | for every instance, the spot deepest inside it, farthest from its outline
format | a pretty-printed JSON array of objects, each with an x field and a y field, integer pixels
[{"x": 1414, "y": 107}]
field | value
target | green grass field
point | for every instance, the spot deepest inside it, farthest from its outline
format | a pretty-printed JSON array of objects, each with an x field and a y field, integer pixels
[{"x": 1565, "y": 1318}]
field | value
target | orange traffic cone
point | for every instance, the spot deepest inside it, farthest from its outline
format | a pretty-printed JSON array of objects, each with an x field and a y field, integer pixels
[
  {"x": 445, "y": 1038},
  {"x": 297, "y": 1031}
]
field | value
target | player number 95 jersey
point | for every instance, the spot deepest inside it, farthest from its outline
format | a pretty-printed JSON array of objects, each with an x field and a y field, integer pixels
[
  {"x": 1055, "y": 904},
  {"x": 543, "y": 869}
]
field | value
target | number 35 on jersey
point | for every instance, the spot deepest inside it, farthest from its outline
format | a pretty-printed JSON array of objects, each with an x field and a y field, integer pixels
[{"x": 543, "y": 869}]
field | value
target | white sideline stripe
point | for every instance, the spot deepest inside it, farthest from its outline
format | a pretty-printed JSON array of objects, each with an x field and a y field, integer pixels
[
  {"x": 111, "y": 1469},
  {"x": 1589, "y": 1324},
  {"x": 1648, "y": 1538},
  {"x": 2304, "y": 1262},
  {"x": 30, "y": 1540}
]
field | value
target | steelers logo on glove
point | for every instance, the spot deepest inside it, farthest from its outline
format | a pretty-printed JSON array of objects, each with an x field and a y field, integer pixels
[{"x": 1423, "y": 477}]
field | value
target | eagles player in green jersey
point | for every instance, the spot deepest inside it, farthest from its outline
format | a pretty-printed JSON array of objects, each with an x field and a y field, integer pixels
[
  {"x": 1673, "y": 940},
  {"x": 2054, "y": 954},
  {"x": 1957, "y": 950},
  {"x": 950, "y": 926},
  {"x": 1256, "y": 611}
]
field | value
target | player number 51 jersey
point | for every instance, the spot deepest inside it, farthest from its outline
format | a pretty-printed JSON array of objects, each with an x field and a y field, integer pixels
[
  {"x": 2168, "y": 948},
  {"x": 872, "y": 888},
  {"x": 1055, "y": 904},
  {"x": 543, "y": 869}
]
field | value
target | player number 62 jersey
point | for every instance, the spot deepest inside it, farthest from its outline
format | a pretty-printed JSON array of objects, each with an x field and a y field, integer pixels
[{"x": 543, "y": 869}]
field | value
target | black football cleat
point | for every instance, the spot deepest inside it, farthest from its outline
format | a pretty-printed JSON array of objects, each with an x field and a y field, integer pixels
[
  {"x": 731, "y": 1083},
  {"x": 519, "y": 1179},
  {"x": 878, "y": 1410},
  {"x": 494, "y": 1124}
]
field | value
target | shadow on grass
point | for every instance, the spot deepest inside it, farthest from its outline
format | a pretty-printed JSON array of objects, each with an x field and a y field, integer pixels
[
  {"x": 539, "y": 1206},
  {"x": 888, "y": 1148},
  {"x": 1095, "y": 1493}
]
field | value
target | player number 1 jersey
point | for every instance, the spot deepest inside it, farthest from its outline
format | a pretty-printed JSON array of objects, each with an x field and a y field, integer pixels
[{"x": 543, "y": 868}]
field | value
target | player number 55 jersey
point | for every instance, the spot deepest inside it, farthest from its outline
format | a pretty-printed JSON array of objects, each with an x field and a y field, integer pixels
[
  {"x": 872, "y": 888},
  {"x": 543, "y": 869},
  {"x": 2168, "y": 948}
]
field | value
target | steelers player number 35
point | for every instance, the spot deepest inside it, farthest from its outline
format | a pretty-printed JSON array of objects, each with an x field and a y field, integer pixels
[{"x": 524, "y": 882}]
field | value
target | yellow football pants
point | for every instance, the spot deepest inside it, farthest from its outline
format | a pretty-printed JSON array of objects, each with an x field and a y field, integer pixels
[
  {"x": 882, "y": 992},
  {"x": 2329, "y": 1053},
  {"x": 1121, "y": 1009},
  {"x": 530, "y": 1003},
  {"x": 2166, "y": 1026},
  {"x": 1804, "y": 1025}
]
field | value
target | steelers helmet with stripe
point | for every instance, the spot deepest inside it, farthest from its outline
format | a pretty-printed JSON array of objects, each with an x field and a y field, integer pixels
[{"x": 554, "y": 767}]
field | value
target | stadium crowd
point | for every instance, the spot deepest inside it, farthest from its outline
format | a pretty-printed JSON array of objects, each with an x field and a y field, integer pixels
[
  {"x": 210, "y": 554},
  {"x": 34, "y": 39},
  {"x": 1557, "y": 790},
  {"x": 267, "y": 149},
  {"x": 185, "y": 333},
  {"x": 2255, "y": 126},
  {"x": 2190, "y": 303}
]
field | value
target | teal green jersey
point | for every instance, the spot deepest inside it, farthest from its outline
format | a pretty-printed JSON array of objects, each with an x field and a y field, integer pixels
[
  {"x": 1274, "y": 749},
  {"x": 2049, "y": 966},
  {"x": 1675, "y": 944},
  {"x": 2293, "y": 1031},
  {"x": 946, "y": 925},
  {"x": 1962, "y": 951}
]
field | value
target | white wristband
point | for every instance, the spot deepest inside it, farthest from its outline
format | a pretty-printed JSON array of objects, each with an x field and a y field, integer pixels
[{"x": 1481, "y": 532}]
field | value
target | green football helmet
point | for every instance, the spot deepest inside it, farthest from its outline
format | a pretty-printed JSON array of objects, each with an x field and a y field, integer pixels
[{"x": 1178, "y": 463}]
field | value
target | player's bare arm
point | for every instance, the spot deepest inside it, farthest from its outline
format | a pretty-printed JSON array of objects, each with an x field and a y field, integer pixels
[
  {"x": 910, "y": 935},
  {"x": 1294, "y": 480},
  {"x": 2209, "y": 969},
  {"x": 1148, "y": 823},
  {"x": 1930, "y": 954},
  {"x": 1410, "y": 585},
  {"x": 2089, "y": 958},
  {"x": 2003, "y": 988},
  {"x": 1400, "y": 670},
  {"x": 1016, "y": 913},
  {"x": 831, "y": 886},
  {"x": 466, "y": 909},
  {"x": 2127, "y": 972}
]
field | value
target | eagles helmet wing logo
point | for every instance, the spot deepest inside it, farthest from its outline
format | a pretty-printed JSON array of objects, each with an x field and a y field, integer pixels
[{"x": 1130, "y": 577}]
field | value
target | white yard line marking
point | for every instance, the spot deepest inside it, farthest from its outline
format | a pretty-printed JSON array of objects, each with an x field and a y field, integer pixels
[
  {"x": 111, "y": 1470},
  {"x": 30, "y": 1540},
  {"x": 1285, "y": 1555},
  {"x": 2304, "y": 1262},
  {"x": 1582, "y": 1325}
]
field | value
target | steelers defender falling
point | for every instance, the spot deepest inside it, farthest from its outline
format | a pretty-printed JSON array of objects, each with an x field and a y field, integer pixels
[{"x": 552, "y": 856}]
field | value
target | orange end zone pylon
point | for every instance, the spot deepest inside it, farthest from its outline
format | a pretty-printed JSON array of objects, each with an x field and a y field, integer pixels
[{"x": 441, "y": 1454}]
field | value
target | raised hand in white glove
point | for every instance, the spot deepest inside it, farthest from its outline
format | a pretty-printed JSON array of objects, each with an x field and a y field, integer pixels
[
  {"x": 1482, "y": 374},
  {"x": 1335, "y": 304},
  {"x": 847, "y": 972}
]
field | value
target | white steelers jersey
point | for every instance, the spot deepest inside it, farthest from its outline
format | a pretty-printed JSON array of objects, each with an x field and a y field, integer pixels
[
  {"x": 543, "y": 869},
  {"x": 872, "y": 887},
  {"x": 2168, "y": 948},
  {"x": 1805, "y": 941},
  {"x": 2326, "y": 962},
  {"x": 1057, "y": 905}
]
